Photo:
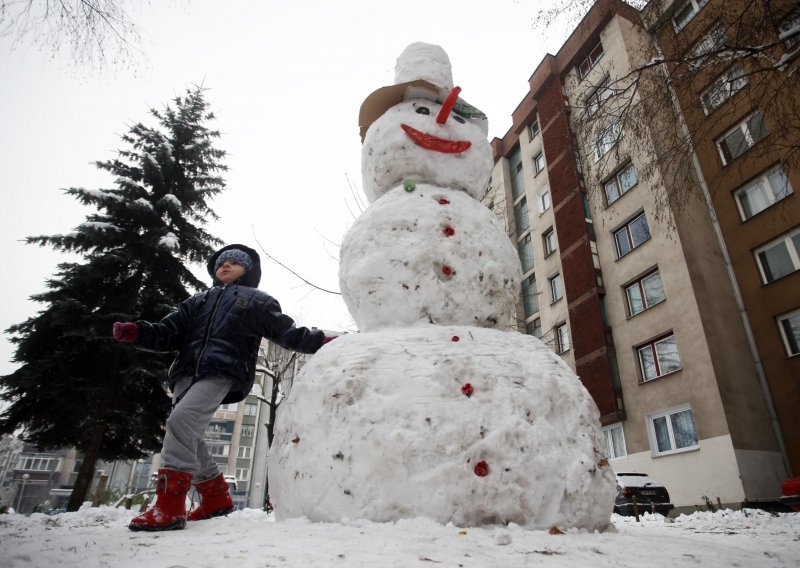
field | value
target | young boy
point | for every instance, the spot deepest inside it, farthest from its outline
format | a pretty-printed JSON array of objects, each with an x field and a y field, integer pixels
[{"x": 216, "y": 334}]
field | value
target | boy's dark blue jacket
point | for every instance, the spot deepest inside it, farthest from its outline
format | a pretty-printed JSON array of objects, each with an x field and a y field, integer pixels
[{"x": 218, "y": 332}]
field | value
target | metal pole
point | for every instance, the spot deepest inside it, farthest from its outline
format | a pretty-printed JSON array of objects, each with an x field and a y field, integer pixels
[{"x": 25, "y": 478}]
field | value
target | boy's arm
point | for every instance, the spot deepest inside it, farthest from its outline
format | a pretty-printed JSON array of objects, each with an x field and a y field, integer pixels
[
  {"x": 280, "y": 328},
  {"x": 166, "y": 335}
]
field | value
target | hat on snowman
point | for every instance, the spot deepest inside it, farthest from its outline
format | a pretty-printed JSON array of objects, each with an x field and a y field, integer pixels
[{"x": 423, "y": 71}]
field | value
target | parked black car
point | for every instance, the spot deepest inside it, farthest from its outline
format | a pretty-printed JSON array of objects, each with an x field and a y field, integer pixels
[{"x": 650, "y": 496}]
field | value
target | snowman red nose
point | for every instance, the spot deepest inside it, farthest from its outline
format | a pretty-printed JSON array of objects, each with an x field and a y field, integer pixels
[{"x": 448, "y": 105}]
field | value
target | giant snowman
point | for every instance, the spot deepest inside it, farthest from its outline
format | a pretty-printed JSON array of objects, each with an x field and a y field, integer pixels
[{"x": 435, "y": 409}]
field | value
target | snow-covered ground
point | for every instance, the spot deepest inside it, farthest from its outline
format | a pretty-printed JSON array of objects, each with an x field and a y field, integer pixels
[{"x": 95, "y": 537}]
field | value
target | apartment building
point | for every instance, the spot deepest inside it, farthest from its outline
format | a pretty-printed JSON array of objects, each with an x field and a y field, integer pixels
[{"x": 625, "y": 267}]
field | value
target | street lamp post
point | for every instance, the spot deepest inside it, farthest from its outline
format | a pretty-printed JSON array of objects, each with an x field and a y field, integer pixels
[{"x": 25, "y": 478}]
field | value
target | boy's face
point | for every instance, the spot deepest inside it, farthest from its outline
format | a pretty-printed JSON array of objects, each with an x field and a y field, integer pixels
[{"x": 229, "y": 271}]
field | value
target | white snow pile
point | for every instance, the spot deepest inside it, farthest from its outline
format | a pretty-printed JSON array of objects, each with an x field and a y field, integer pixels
[
  {"x": 439, "y": 257},
  {"x": 428, "y": 421},
  {"x": 99, "y": 537}
]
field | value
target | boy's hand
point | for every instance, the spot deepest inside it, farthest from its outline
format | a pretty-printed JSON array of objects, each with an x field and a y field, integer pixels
[{"x": 126, "y": 332}]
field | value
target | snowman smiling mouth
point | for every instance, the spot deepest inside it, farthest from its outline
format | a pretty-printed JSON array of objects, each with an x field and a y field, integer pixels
[{"x": 431, "y": 142}]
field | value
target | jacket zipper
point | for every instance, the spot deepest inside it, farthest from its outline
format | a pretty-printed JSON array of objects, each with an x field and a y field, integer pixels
[{"x": 208, "y": 333}]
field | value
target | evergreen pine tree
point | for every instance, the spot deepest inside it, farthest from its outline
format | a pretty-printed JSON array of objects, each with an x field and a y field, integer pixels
[{"x": 76, "y": 387}]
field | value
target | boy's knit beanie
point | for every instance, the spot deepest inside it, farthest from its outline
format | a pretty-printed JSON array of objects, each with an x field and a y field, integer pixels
[{"x": 236, "y": 255}]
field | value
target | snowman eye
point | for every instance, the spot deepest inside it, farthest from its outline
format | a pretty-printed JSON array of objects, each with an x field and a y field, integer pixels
[
  {"x": 458, "y": 119},
  {"x": 423, "y": 110}
]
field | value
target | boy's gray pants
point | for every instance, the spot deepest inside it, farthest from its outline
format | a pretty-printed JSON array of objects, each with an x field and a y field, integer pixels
[{"x": 184, "y": 448}]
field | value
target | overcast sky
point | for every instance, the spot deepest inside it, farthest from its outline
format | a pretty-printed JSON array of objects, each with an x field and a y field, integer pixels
[{"x": 285, "y": 80}]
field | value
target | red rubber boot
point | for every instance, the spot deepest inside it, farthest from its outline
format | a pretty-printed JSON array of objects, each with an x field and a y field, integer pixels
[
  {"x": 169, "y": 512},
  {"x": 215, "y": 499}
]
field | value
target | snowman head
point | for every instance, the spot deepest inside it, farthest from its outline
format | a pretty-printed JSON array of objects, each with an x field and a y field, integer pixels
[{"x": 419, "y": 128}]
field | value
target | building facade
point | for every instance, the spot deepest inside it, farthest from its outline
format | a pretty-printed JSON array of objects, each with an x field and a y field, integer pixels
[{"x": 626, "y": 263}]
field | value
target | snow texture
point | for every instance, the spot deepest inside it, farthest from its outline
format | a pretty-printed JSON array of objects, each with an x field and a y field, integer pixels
[
  {"x": 99, "y": 538},
  {"x": 170, "y": 241},
  {"x": 172, "y": 201},
  {"x": 393, "y": 262},
  {"x": 424, "y": 61},
  {"x": 377, "y": 427}
]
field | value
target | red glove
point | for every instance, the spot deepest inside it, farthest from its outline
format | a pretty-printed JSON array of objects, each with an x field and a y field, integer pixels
[
  {"x": 329, "y": 339},
  {"x": 125, "y": 332}
]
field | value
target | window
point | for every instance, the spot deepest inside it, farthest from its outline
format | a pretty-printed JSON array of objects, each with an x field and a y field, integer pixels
[
  {"x": 607, "y": 138},
  {"x": 219, "y": 450},
  {"x": 711, "y": 42},
  {"x": 242, "y": 474},
  {"x": 658, "y": 358},
  {"x": 534, "y": 328},
  {"x": 556, "y": 288},
  {"x": 248, "y": 430},
  {"x": 229, "y": 407},
  {"x": 521, "y": 215},
  {"x": 672, "y": 430},
  {"x": 530, "y": 296},
  {"x": 780, "y": 257},
  {"x": 633, "y": 234},
  {"x": 533, "y": 128},
  {"x": 727, "y": 85},
  {"x": 515, "y": 165},
  {"x": 562, "y": 338},
  {"x": 684, "y": 13},
  {"x": 245, "y": 452},
  {"x": 538, "y": 162},
  {"x": 619, "y": 185},
  {"x": 543, "y": 200},
  {"x": 549, "y": 241},
  {"x": 614, "y": 439},
  {"x": 37, "y": 464},
  {"x": 525, "y": 249},
  {"x": 599, "y": 95},
  {"x": 742, "y": 137},
  {"x": 789, "y": 325},
  {"x": 789, "y": 29},
  {"x": 250, "y": 409},
  {"x": 590, "y": 60},
  {"x": 763, "y": 192},
  {"x": 644, "y": 293}
]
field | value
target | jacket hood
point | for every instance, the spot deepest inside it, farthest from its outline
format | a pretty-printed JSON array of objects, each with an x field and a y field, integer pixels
[{"x": 251, "y": 278}]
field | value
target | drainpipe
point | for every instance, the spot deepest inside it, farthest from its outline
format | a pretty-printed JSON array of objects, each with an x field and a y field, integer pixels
[{"x": 751, "y": 342}]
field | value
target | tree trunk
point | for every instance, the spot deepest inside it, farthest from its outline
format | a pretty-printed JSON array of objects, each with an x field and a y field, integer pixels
[{"x": 86, "y": 472}]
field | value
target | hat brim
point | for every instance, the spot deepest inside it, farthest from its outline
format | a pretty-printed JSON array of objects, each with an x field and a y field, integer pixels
[{"x": 378, "y": 102}]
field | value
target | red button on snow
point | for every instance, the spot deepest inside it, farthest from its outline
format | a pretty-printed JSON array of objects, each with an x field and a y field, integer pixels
[
  {"x": 447, "y": 271},
  {"x": 482, "y": 469},
  {"x": 467, "y": 390},
  {"x": 444, "y": 201},
  {"x": 456, "y": 338},
  {"x": 449, "y": 231}
]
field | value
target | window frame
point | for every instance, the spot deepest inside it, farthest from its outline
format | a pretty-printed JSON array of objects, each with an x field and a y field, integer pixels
[
  {"x": 543, "y": 200},
  {"x": 626, "y": 227},
  {"x": 530, "y": 300},
  {"x": 590, "y": 60},
  {"x": 247, "y": 450},
  {"x": 538, "y": 163},
  {"x": 522, "y": 213},
  {"x": 639, "y": 283},
  {"x": 758, "y": 183},
  {"x": 791, "y": 19},
  {"x": 559, "y": 282},
  {"x": 608, "y": 442},
  {"x": 526, "y": 243},
  {"x": 242, "y": 474},
  {"x": 792, "y": 344},
  {"x": 616, "y": 179},
  {"x": 534, "y": 129},
  {"x": 563, "y": 343},
  {"x": 601, "y": 93},
  {"x": 794, "y": 255},
  {"x": 607, "y": 138},
  {"x": 250, "y": 409},
  {"x": 696, "y": 5},
  {"x": 667, "y": 415},
  {"x": 713, "y": 39},
  {"x": 549, "y": 242},
  {"x": 747, "y": 133},
  {"x": 652, "y": 345},
  {"x": 537, "y": 325},
  {"x": 723, "y": 88}
]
